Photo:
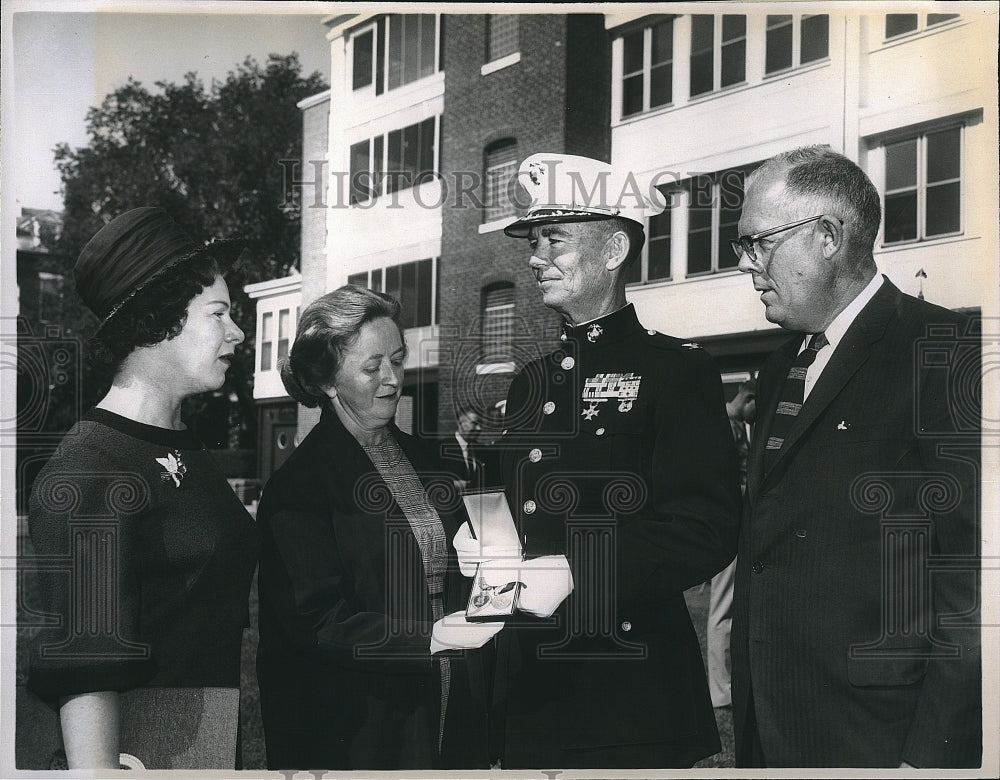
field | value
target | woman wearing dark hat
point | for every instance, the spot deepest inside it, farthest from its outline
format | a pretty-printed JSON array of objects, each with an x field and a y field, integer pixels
[
  {"x": 154, "y": 552},
  {"x": 357, "y": 571}
]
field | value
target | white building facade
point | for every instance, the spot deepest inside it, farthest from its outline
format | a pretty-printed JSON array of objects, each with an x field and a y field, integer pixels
[
  {"x": 700, "y": 99},
  {"x": 697, "y": 100}
]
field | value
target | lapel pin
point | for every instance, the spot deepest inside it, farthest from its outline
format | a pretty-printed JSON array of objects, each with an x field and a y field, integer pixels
[{"x": 843, "y": 425}]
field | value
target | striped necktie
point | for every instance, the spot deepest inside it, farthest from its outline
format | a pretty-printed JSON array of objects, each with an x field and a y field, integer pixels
[{"x": 792, "y": 395}]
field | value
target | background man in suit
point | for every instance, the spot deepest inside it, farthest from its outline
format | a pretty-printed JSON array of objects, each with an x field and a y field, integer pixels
[
  {"x": 856, "y": 629},
  {"x": 467, "y": 435},
  {"x": 742, "y": 411},
  {"x": 618, "y": 455}
]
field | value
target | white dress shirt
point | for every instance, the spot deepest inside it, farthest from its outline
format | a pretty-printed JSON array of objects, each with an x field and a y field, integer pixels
[{"x": 835, "y": 331}]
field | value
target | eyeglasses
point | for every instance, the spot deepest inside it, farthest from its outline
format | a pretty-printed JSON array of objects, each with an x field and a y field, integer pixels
[{"x": 745, "y": 244}]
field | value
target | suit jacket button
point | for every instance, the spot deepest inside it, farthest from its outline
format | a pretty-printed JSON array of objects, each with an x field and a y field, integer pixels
[{"x": 757, "y": 567}]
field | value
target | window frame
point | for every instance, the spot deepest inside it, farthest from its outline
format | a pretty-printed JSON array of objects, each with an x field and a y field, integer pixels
[
  {"x": 378, "y": 176},
  {"x": 377, "y": 278},
  {"x": 796, "y": 22},
  {"x": 491, "y": 56},
  {"x": 921, "y": 185},
  {"x": 382, "y": 31},
  {"x": 266, "y": 341},
  {"x": 717, "y": 45},
  {"x": 498, "y": 145},
  {"x": 922, "y": 25},
  {"x": 647, "y": 67},
  {"x": 497, "y": 347},
  {"x": 672, "y": 193}
]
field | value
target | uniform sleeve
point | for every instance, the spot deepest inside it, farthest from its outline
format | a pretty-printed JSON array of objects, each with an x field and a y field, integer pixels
[
  {"x": 688, "y": 531},
  {"x": 305, "y": 584},
  {"x": 83, "y": 521}
]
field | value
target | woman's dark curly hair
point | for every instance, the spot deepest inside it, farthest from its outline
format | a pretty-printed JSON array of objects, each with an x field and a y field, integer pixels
[{"x": 155, "y": 313}]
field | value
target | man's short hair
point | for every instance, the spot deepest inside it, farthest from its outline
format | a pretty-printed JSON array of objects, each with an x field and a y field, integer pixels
[
  {"x": 633, "y": 230},
  {"x": 819, "y": 173}
]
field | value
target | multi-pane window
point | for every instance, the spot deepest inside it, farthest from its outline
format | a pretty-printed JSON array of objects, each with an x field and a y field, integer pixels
[
  {"x": 394, "y": 161},
  {"x": 791, "y": 41},
  {"x": 718, "y": 52},
  {"x": 647, "y": 68},
  {"x": 497, "y": 322},
  {"x": 501, "y": 36},
  {"x": 654, "y": 264},
  {"x": 901, "y": 24},
  {"x": 923, "y": 186},
  {"x": 284, "y": 332},
  {"x": 269, "y": 356},
  {"x": 266, "y": 340},
  {"x": 412, "y": 284},
  {"x": 364, "y": 58},
  {"x": 499, "y": 172},
  {"x": 714, "y": 205},
  {"x": 398, "y": 49}
]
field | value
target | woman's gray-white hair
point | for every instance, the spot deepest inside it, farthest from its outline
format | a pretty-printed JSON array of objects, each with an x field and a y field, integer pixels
[{"x": 326, "y": 328}]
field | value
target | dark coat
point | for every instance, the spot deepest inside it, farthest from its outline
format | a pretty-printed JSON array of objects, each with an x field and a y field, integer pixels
[
  {"x": 642, "y": 495},
  {"x": 346, "y": 677},
  {"x": 856, "y": 608}
]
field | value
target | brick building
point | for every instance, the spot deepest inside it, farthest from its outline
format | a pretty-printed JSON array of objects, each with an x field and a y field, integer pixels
[
  {"x": 514, "y": 85},
  {"x": 430, "y": 114}
]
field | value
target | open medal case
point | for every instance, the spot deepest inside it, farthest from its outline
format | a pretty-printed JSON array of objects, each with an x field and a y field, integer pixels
[{"x": 495, "y": 588}]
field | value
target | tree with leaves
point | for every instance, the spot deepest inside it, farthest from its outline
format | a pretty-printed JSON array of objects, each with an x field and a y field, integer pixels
[{"x": 210, "y": 157}]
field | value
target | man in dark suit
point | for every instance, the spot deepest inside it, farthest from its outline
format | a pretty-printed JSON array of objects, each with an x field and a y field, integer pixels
[
  {"x": 618, "y": 455},
  {"x": 856, "y": 638}
]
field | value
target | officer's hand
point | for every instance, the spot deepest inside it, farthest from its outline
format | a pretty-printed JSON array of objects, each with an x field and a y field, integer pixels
[
  {"x": 546, "y": 581},
  {"x": 471, "y": 553},
  {"x": 454, "y": 632}
]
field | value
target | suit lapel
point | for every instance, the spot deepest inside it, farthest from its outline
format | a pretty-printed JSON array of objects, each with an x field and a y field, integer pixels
[{"x": 852, "y": 352}]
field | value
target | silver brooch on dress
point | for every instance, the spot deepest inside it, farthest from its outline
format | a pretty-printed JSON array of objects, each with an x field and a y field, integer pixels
[{"x": 175, "y": 468}]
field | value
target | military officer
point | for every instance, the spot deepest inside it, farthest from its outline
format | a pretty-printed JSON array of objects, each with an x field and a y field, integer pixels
[{"x": 619, "y": 456}]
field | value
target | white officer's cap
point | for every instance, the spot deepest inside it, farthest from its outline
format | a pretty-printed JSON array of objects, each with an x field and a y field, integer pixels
[{"x": 569, "y": 188}]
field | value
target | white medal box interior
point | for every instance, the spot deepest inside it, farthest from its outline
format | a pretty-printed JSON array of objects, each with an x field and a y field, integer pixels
[{"x": 495, "y": 587}]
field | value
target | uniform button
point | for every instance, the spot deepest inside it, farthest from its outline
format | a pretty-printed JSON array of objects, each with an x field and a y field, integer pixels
[
  {"x": 801, "y": 533},
  {"x": 535, "y": 455},
  {"x": 651, "y": 332},
  {"x": 567, "y": 363},
  {"x": 529, "y": 507},
  {"x": 599, "y": 431},
  {"x": 549, "y": 407},
  {"x": 563, "y": 337},
  {"x": 626, "y": 626},
  {"x": 757, "y": 567}
]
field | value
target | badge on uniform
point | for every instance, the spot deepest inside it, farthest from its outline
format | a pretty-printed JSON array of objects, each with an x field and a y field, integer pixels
[{"x": 623, "y": 388}]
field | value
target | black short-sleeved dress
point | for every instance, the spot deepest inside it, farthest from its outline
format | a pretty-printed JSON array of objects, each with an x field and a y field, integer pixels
[{"x": 144, "y": 557}]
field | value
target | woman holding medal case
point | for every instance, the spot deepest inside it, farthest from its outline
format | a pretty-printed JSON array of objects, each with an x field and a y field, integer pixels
[
  {"x": 357, "y": 569},
  {"x": 143, "y": 660}
]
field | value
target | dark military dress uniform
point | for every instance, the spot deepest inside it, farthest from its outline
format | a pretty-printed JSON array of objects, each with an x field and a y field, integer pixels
[{"x": 619, "y": 455}]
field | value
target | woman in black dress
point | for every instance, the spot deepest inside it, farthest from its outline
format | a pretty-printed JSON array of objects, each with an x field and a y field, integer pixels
[
  {"x": 157, "y": 552},
  {"x": 357, "y": 567}
]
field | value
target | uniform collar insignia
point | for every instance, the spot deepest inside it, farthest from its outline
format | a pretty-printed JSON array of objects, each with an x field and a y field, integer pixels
[{"x": 618, "y": 324}]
